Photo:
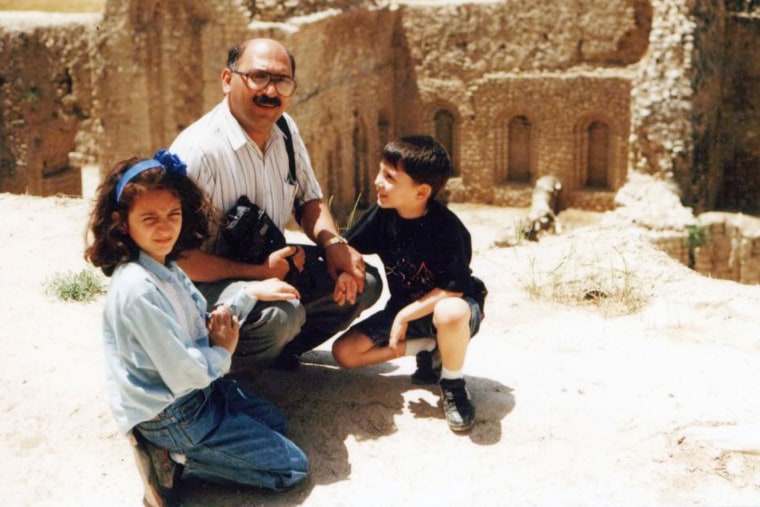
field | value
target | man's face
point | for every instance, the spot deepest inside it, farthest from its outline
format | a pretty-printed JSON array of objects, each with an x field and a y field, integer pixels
[{"x": 257, "y": 108}]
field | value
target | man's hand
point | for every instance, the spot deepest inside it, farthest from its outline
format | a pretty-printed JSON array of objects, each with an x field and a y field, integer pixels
[
  {"x": 223, "y": 328},
  {"x": 278, "y": 263},
  {"x": 343, "y": 258}
]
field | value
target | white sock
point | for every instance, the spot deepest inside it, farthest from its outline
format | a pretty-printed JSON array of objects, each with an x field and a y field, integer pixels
[
  {"x": 452, "y": 374},
  {"x": 414, "y": 347}
]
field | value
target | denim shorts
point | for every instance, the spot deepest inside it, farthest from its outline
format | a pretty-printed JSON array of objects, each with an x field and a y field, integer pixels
[{"x": 378, "y": 326}]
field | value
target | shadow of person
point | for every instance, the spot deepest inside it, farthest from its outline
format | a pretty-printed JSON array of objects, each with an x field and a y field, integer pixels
[
  {"x": 492, "y": 401},
  {"x": 326, "y": 405}
]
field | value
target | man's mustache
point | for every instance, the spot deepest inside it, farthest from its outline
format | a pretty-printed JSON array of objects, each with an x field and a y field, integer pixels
[{"x": 265, "y": 100}]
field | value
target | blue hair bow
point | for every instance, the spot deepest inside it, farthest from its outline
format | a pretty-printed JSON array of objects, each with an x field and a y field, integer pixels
[{"x": 162, "y": 158}]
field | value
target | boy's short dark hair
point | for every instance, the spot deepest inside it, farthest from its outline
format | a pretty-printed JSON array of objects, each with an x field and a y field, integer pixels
[{"x": 422, "y": 158}]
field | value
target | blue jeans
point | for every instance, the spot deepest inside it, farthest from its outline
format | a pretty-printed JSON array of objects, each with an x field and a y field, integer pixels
[
  {"x": 301, "y": 324},
  {"x": 229, "y": 436}
]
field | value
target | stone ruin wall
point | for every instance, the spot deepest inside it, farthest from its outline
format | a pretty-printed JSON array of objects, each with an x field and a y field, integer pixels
[
  {"x": 674, "y": 81},
  {"x": 47, "y": 100},
  {"x": 738, "y": 146}
]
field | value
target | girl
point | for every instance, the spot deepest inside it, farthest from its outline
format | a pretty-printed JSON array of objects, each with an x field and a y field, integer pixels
[{"x": 165, "y": 357}]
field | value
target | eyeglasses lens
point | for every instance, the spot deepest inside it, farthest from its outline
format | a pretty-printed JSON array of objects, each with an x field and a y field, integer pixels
[{"x": 260, "y": 80}]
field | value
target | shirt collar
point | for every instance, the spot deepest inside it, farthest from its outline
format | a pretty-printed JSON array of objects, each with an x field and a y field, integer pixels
[
  {"x": 237, "y": 136},
  {"x": 164, "y": 272}
]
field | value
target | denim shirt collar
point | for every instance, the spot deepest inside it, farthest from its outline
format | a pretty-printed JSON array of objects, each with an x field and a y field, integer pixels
[{"x": 164, "y": 272}]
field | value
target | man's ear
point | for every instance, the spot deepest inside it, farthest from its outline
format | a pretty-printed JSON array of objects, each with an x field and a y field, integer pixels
[{"x": 226, "y": 79}]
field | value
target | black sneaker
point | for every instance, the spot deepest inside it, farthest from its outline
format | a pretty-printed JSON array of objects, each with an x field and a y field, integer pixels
[
  {"x": 460, "y": 414},
  {"x": 428, "y": 367},
  {"x": 159, "y": 473}
]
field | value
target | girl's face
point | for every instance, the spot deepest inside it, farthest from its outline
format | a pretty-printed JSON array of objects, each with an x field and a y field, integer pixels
[{"x": 154, "y": 223}]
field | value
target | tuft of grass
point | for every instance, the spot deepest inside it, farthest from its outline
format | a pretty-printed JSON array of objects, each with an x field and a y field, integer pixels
[
  {"x": 349, "y": 219},
  {"x": 83, "y": 286},
  {"x": 696, "y": 237},
  {"x": 608, "y": 284}
]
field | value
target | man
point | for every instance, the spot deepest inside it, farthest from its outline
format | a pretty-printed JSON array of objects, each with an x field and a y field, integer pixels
[{"x": 236, "y": 149}]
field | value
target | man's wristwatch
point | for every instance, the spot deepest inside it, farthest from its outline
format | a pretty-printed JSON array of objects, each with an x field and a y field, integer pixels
[{"x": 335, "y": 240}]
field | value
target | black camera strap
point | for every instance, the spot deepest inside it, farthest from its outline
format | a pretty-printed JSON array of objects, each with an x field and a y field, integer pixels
[{"x": 283, "y": 124}]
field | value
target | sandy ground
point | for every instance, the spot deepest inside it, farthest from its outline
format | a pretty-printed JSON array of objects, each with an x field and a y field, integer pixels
[{"x": 577, "y": 405}]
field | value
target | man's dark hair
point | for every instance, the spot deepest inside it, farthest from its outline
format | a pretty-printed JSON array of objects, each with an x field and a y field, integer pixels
[
  {"x": 234, "y": 53},
  {"x": 422, "y": 158}
]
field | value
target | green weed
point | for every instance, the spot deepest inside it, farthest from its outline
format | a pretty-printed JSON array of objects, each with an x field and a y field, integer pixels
[{"x": 83, "y": 286}]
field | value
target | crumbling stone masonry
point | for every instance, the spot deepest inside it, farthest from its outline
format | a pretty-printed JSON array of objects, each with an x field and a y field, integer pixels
[{"x": 591, "y": 91}]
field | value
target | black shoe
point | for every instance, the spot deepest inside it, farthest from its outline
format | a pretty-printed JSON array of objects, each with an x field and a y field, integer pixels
[
  {"x": 428, "y": 368},
  {"x": 286, "y": 361},
  {"x": 159, "y": 473},
  {"x": 460, "y": 414}
]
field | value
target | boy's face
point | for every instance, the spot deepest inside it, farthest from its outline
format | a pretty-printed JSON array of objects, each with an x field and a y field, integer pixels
[
  {"x": 154, "y": 223},
  {"x": 397, "y": 190}
]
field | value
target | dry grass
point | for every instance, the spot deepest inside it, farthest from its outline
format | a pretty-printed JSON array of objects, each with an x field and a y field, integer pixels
[
  {"x": 53, "y": 6},
  {"x": 606, "y": 282}
]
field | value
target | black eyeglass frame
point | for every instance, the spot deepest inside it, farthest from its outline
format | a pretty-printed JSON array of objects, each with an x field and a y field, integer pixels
[{"x": 277, "y": 79}]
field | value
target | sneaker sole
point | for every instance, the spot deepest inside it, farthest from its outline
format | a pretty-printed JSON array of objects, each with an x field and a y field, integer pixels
[{"x": 460, "y": 429}]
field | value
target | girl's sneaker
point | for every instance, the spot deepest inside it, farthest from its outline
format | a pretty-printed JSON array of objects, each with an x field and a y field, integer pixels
[{"x": 159, "y": 473}]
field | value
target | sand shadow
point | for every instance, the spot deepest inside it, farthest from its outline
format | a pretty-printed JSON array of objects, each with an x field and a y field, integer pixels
[{"x": 326, "y": 405}]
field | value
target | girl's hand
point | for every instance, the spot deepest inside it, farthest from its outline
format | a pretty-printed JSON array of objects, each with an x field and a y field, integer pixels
[
  {"x": 345, "y": 289},
  {"x": 398, "y": 332},
  {"x": 224, "y": 328},
  {"x": 272, "y": 289}
]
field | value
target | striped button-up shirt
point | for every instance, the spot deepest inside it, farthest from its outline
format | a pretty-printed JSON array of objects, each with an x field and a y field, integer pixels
[{"x": 224, "y": 161}]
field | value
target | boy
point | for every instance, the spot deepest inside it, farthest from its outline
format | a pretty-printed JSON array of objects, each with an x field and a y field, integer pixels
[{"x": 435, "y": 305}]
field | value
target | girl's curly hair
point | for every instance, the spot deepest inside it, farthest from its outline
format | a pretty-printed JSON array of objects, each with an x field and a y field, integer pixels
[{"x": 108, "y": 243}]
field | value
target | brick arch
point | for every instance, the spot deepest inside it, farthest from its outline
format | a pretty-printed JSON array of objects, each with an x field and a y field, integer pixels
[
  {"x": 594, "y": 139},
  {"x": 517, "y": 137},
  {"x": 445, "y": 122}
]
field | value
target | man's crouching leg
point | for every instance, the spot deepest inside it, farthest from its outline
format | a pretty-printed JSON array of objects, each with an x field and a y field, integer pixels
[
  {"x": 265, "y": 330},
  {"x": 325, "y": 317}
]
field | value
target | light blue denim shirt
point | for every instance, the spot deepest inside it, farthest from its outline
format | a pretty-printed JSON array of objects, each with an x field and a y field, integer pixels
[{"x": 156, "y": 342}]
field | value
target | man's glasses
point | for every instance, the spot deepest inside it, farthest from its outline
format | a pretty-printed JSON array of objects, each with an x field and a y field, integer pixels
[{"x": 259, "y": 79}]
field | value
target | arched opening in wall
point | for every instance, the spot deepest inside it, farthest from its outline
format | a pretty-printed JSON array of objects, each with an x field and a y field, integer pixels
[
  {"x": 598, "y": 155},
  {"x": 361, "y": 179},
  {"x": 518, "y": 152},
  {"x": 444, "y": 125}
]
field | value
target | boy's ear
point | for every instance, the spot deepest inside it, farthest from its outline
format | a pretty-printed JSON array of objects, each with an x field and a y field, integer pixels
[{"x": 424, "y": 191}]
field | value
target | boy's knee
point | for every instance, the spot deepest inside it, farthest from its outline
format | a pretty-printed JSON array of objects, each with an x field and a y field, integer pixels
[
  {"x": 451, "y": 312},
  {"x": 343, "y": 355}
]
